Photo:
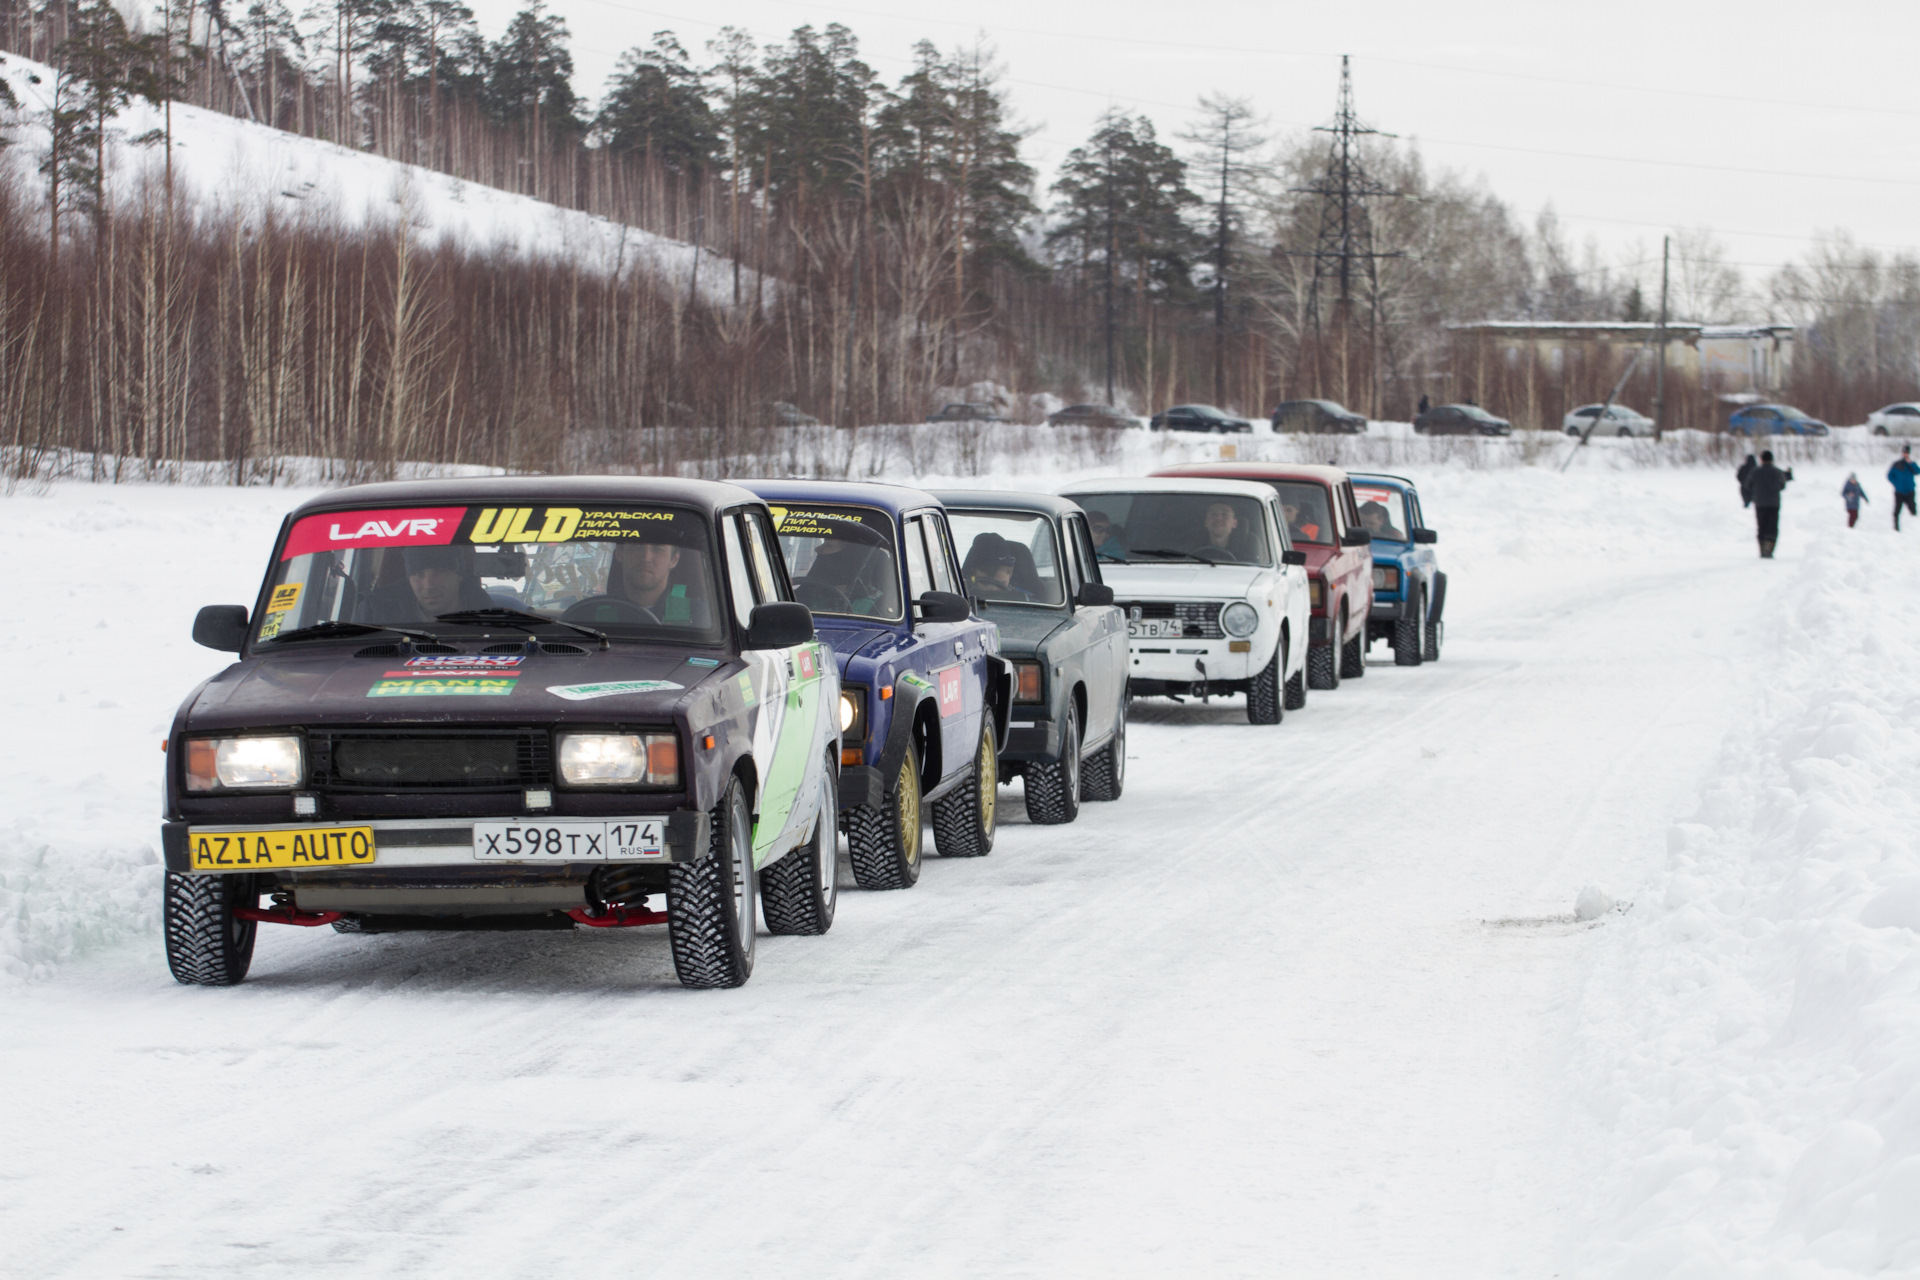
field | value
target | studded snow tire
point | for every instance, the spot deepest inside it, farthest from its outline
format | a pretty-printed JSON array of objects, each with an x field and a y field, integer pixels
[
  {"x": 710, "y": 916},
  {"x": 206, "y": 945}
]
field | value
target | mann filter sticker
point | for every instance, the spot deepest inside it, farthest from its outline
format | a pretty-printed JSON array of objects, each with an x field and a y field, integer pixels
[
  {"x": 442, "y": 687},
  {"x": 608, "y": 689},
  {"x": 284, "y": 597}
]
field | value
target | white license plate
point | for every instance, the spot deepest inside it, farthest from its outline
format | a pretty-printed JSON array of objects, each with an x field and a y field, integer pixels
[
  {"x": 1154, "y": 629},
  {"x": 569, "y": 840}
]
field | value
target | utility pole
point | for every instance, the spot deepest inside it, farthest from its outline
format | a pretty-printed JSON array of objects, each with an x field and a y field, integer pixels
[
  {"x": 1113, "y": 244},
  {"x": 1343, "y": 253},
  {"x": 1660, "y": 347}
]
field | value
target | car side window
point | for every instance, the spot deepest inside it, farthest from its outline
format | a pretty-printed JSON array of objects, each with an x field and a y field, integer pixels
[
  {"x": 1073, "y": 565},
  {"x": 1279, "y": 523},
  {"x": 739, "y": 576},
  {"x": 919, "y": 572},
  {"x": 762, "y": 551},
  {"x": 940, "y": 553}
]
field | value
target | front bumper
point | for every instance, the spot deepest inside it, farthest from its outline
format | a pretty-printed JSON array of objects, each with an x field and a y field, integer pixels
[
  {"x": 438, "y": 843},
  {"x": 1182, "y": 660},
  {"x": 1031, "y": 738},
  {"x": 1386, "y": 610}
]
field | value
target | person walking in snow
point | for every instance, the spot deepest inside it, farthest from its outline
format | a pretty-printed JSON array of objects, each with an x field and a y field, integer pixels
[
  {"x": 1763, "y": 490},
  {"x": 1901, "y": 473},
  {"x": 1744, "y": 474},
  {"x": 1853, "y": 495}
]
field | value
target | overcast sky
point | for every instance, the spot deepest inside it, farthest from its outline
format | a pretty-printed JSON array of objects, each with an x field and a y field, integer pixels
[{"x": 1767, "y": 122}]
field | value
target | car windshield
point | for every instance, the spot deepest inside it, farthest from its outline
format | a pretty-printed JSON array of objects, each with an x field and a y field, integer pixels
[
  {"x": 1475, "y": 411},
  {"x": 1383, "y": 511},
  {"x": 1152, "y": 528},
  {"x": 1008, "y": 557},
  {"x": 841, "y": 558},
  {"x": 1788, "y": 411},
  {"x": 630, "y": 570},
  {"x": 1305, "y": 507}
]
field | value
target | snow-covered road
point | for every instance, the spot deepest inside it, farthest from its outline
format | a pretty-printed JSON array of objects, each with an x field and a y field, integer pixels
[{"x": 1302, "y": 1003}]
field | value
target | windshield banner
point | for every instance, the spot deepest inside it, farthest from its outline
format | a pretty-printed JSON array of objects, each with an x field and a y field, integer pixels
[{"x": 487, "y": 526}]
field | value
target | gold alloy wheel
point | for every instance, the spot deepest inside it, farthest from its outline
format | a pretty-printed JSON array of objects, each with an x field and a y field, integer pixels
[
  {"x": 908, "y": 789},
  {"x": 989, "y": 772}
]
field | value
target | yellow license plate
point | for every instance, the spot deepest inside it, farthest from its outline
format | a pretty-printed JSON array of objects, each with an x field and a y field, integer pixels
[{"x": 296, "y": 849}]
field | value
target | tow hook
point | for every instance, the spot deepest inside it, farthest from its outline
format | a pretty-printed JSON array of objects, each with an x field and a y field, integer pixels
[
  {"x": 616, "y": 917},
  {"x": 1200, "y": 685},
  {"x": 286, "y": 913}
]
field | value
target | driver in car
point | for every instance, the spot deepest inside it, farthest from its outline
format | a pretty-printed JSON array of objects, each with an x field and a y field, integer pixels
[
  {"x": 1378, "y": 522},
  {"x": 1220, "y": 523},
  {"x": 990, "y": 568},
  {"x": 642, "y": 574}
]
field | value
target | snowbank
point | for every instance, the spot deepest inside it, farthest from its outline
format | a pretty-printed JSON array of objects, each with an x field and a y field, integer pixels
[
  {"x": 238, "y": 166},
  {"x": 1751, "y": 1042}
]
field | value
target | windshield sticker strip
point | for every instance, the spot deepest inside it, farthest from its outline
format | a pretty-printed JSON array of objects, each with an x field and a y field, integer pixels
[
  {"x": 442, "y": 687},
  {"x": 394, "y": 527},
  {"x": 489, "y": 527},
  {"x": 609, "y": 689}
]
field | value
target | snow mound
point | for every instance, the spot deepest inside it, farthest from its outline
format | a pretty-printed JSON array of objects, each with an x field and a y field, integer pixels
[
  {"x": 58, "y": 903},
  {"x": 1751, "y": 1042}
]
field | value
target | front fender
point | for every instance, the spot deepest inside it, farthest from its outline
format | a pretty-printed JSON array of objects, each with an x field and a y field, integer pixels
[
  {"x": 999, "y": 692},
  {"x": 1439, "y": 597}
]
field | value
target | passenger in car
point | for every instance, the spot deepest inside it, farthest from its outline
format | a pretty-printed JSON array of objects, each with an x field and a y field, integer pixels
[
  {"x": 1108, "y": 537},
  {"x": 438, "y": 580}
]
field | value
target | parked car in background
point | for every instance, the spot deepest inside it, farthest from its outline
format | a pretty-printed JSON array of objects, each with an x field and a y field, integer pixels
[
  {"x": 1216, "y": 599},
  {"x": 924, "y": 693},
  {"x": 1091, "y": 415},
  {"x": 1197, "y": 417},
  {"x": 1774, "y": 420},
  {"x": 1031, "y": 568},
  {"x": 398, "y": 747},
  {"x": 966, "y": 413},
  {"x": 1461, "y": 420},
  {"x": 781, "y": 414},
  {"x": 1317, "y": 416},
  {"x": 1321, "y": 518},
  {"x": 1612, "y": 420},
  {"x": 1901, "y": 419},
  {"x": 1409, "y": 590}
]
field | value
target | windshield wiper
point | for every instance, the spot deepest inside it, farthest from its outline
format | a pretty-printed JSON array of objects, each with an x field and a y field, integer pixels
[
  {"x": 1165, "y": 554},
  {"x": 331, "y": 628},
  {"x": 1111, "y": 558},
  {"x": 521, "y": 618}
]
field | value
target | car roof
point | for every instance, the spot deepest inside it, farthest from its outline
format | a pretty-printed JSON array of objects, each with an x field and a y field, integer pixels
[
  {"x": 711, "y": 495},
  {"x": 1371, "y": 477},
  {"x": 1258, "y": 471},
  {"x": 1167, "y": 484},
  {"x": 892, "y": 498},
  {"x": 1007, "y": 500}
]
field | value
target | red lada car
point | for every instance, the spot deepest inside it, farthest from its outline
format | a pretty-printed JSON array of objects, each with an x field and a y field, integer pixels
[{"x": 1323, "y": 520}]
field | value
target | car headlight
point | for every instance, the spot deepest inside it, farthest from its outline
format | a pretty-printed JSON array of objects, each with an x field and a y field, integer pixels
[
  {"x": 853, "y": 713},
  {"x": 1317, "y": 593},
  {"x": 1239, "y": 619},
  {"x": 244, "y": 763},
  {"x": 619, "y": 759},
  {"x": 1386, "y": 577},
  {"x": 1026, "y": 677}
]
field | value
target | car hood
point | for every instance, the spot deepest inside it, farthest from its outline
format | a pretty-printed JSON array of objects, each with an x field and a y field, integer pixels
[
  {"x": 328, "y": 684},
  {"x": 846, "y": 638},
  {"x": 1180, "y": 581},
  {"x": 1023, "y": 630}
]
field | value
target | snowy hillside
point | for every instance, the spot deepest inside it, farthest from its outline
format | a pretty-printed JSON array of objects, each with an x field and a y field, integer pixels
[
  {"x": 236, "y": 165},
  {"x": 1309, "y": 1000}
]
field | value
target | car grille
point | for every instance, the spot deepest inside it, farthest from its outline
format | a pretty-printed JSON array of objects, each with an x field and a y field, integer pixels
[
  {"x": 1199, "y": 619},
  {"x": 414, "y": 761}
]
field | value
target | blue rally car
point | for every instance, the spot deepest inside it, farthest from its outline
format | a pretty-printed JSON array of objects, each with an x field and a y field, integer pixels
[
  {"x": 1409, "y": 591},
  {"x": 925, "y": 694}
]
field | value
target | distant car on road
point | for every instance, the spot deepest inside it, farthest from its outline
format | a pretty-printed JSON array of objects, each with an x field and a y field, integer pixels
[
  {"x": 1322, "y": 519},
  {"x": 781, "y": 414},
  {"x": 1091, "y": 415},
  {"x": 1901, "y": 419},
  {"x": 1030, "y": 567},
  {"x": 1774, "y": 420},
  {"x": 966, "y": 413},
  {"x": 1198, "y": 417},
  {"x": 1461, "y": 420},
  {"x": 1613, "y": 420},
  {"x": 1409, "y": 591},
  {"x": 1318, "y": 417}
]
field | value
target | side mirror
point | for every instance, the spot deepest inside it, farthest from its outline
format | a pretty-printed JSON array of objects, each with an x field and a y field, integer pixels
[
  {"x": 1356, "y": 538},
  {"x": 942, "y": 606},
  {"x": 1425, "y": 535},
  {"x": 221, "y": 626},
  {"x": 1295, "y": 556},
  {"x": 779, "y": 624},
  {"x": 1094, "y": 593}
]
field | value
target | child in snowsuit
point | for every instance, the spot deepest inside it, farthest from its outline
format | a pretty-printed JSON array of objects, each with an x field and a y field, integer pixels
[
  {"x": 1853, "y": 495},
  {"x": 1901, "y": 474},
  {"x": 1744, "y": 474}
]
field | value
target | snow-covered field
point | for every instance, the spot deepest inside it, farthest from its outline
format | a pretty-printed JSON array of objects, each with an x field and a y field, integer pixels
[{"x": 1310, "y": 1000}]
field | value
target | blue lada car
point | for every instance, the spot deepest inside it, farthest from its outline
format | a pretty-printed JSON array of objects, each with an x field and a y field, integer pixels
[
  {"x": 1409, "y": 591},
  {"x": 925, "y": 694}
]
